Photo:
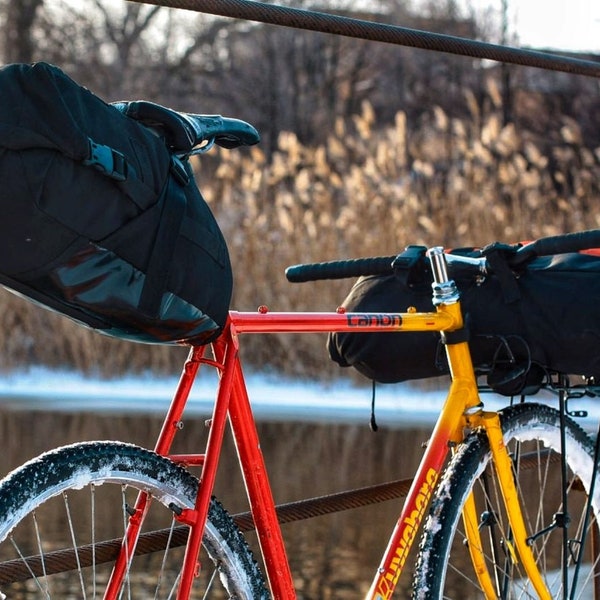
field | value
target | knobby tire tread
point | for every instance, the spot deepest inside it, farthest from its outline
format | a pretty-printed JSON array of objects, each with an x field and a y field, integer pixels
[{"x": 75, "y": 466}]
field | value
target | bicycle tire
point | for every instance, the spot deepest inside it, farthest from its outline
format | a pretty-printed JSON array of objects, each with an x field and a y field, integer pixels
[
  {"x": 52, "y": 496},
  {"x": 532, "y": 433}
]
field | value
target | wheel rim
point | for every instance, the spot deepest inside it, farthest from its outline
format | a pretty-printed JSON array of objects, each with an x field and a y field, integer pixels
[{"x": 90, "y": 509}]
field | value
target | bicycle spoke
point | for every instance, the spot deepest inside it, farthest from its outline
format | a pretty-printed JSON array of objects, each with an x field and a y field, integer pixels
[
  {"x": 74, "y": 542},
  {"x": 164, "y": 562},
  {"x": 93, "y": 536},
  {"x": 40, "y": 550},
  {"x": 34, "y": 577},
  {"x": 210, "y": 584},
  {"x": 128, "y": 551}
]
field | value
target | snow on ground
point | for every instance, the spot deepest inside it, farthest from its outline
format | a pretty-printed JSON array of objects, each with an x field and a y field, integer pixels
[{"x": 273, "y": 398}]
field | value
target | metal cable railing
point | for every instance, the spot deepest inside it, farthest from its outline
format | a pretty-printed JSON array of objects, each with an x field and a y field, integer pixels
[
  {"x": 59, "y": 561},
  {"x": 252, "y": 10}
]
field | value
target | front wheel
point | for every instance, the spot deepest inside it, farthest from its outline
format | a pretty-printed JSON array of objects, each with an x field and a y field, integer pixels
[
  {"x": 81, "y": 497},
  {"x": 564, "y": 537}
]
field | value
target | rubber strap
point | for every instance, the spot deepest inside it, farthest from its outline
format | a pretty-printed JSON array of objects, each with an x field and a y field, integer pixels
[
  {"x": 497, "y": 260},
  {"x": 161, "y": 258},
  {"x": 455, "y": 337}
]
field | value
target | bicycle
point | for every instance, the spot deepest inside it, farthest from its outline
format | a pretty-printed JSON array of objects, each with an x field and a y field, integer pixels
[{"x": 507, "y": 500}]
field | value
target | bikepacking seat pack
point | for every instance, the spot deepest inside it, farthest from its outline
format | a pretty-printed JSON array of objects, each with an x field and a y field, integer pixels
[
  {"x": 101, "y": 218},
  {"x": 522, "y": 322}
]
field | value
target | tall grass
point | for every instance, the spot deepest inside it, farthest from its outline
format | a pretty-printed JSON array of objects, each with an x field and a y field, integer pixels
[{"x": 368, "y": 190}]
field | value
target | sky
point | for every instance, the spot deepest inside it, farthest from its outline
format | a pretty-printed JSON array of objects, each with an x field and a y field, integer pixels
[{"x": 556, "y": 24}]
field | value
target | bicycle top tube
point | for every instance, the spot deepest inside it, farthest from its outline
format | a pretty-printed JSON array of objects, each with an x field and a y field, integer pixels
[{"x": 264, "y": 321}]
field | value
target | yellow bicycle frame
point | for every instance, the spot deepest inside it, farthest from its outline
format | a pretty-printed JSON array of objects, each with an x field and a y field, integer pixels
[
  {"x": 490, "y": 423},
  {"x": 459, "y": 413}
]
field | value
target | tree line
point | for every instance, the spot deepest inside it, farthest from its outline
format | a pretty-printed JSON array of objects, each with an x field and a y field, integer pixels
[{"x": 279, "y": 79}]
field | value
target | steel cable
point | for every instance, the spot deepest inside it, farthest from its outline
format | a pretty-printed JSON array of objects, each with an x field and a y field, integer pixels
[
  {"x": 252, "y": 10},
  {"x": 59, "y": 561}
]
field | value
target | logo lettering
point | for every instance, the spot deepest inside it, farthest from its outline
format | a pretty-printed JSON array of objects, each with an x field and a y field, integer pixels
[
  {"x": 409, "y": 526},
  {"x": 374, "y": 320}
]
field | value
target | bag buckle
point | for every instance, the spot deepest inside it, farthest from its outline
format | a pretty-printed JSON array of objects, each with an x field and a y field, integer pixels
[
  {"x": 179, "y": 171},
  {"x": 107, "y": 160}
]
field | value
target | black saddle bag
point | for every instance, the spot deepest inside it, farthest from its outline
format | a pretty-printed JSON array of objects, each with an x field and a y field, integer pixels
[
  {"x": 101, "y": 221},
  {"x": 544, "y": 316}
]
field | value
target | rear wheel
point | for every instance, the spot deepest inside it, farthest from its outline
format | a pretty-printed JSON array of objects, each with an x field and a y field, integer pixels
[
  {"x": 564, "y": 538},
  {"x": 81, "y": 496}
]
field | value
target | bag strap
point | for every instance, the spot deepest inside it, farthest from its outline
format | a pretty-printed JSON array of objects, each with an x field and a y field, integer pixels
[
  {"x": 497, "y": 256},
  {"x": 411, "y": 265},
  {"x": 161, "y": 257}
]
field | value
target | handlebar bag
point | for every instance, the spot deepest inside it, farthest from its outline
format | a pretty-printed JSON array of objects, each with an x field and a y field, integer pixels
[
  {"x": 521, "y": 323},
  {"x": 100, "y": 220}
]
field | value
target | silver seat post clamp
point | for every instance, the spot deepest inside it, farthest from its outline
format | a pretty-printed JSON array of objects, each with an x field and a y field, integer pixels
[{"x": 444, "y": 288}]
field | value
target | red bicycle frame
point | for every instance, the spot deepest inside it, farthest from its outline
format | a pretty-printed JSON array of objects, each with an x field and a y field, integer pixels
[{"x": 232, "y": 405}]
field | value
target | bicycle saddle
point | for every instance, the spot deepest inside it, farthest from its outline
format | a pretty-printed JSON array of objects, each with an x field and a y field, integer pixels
[{"x": 184, "y": 132}]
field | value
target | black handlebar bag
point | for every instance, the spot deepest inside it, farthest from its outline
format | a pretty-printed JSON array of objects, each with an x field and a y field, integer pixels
[
  {"x": 100, "y": 220},
  {"x": 543, "y": 316}
]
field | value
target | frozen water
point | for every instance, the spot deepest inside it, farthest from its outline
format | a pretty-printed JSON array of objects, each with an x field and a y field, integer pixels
[{"x": 273, "y": 397}]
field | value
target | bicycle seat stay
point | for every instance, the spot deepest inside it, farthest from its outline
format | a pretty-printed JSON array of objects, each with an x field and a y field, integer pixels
[{"x": 188, "y": 133}]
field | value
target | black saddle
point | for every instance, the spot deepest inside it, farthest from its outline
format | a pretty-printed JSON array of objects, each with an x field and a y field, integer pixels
[{"x": 186, "y": 133}]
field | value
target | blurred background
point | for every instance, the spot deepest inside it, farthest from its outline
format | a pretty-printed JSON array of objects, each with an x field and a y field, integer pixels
[{"x": 366, "y": 147}]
